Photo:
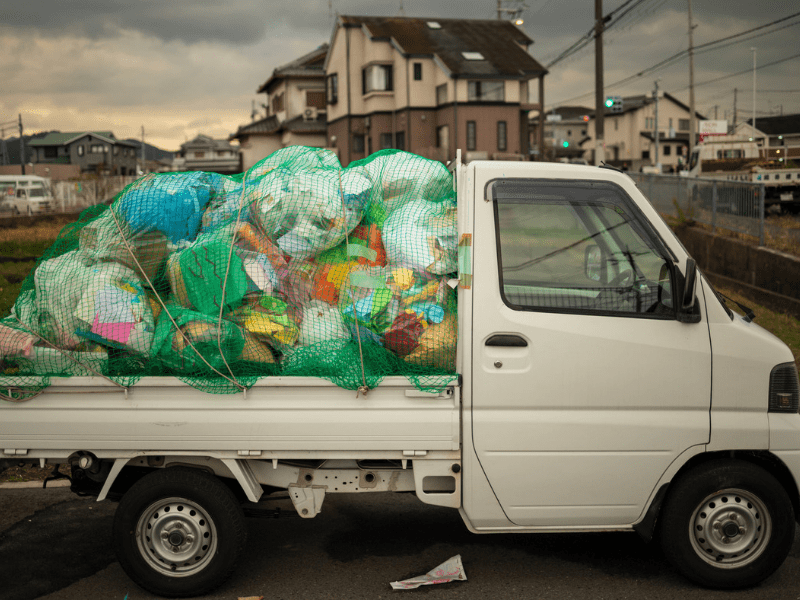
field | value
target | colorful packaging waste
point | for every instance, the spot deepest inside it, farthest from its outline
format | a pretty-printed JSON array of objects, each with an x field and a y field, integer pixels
[{"x": 296, "y": 267}]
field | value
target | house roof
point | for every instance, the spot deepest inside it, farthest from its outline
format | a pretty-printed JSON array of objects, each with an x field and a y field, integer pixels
[
  {"x": 678, "y": 137},
  {"x": 308, "y": 65},
  {"x": 632, "y": 103},
  {"x": 56, "y": 138},
  {"x": 784, "y": 124},
  {"x": 569, "y": 113},
  {"x": 270, "y": 125},
  {"x": 204, "y": 141},
  {"x": 500, "y": 43}
]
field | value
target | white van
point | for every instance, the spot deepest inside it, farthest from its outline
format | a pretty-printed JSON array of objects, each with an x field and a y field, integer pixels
[{"x": 25, "y": 195}]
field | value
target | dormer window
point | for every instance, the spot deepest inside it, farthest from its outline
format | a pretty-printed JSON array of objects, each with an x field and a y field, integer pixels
[
  {"x": 434, "y": 25},
  {"x": 472, "y": 56}
]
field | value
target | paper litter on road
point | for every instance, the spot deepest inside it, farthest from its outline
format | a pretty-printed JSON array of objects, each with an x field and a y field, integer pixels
[{"x": 450, "y": 570}]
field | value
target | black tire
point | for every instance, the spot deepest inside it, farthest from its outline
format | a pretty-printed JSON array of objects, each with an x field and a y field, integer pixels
[
  {"x": 194, "y": 511},
  {"x": 727, "y": 524}
]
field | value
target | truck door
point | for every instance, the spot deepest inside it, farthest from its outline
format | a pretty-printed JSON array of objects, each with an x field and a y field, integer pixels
[{"x": 585, "y": 385}]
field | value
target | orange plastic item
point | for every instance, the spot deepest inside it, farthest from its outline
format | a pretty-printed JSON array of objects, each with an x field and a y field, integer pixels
[
  {"x": 372, "y": 237},
  {"x": 255, "y": 240}
]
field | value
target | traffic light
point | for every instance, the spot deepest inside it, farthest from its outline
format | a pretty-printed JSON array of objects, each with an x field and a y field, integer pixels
[
  {"x": 614, "y": 104},
  {"x": 565, "y": 144}
]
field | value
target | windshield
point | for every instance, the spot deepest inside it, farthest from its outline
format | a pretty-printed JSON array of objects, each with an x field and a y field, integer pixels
[{"x": 36, "y": 192}]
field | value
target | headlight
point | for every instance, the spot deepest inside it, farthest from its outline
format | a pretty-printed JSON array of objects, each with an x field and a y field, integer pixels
[{"x": 784, "y": 390}]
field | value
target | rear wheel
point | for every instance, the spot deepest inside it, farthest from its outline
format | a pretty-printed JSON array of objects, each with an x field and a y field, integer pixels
[
  {"x": 179, "y": 532},
  {"x": 727, "y": 524}
]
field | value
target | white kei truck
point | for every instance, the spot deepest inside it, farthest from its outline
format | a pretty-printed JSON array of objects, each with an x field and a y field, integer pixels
[{"x": 603, "y": 386}]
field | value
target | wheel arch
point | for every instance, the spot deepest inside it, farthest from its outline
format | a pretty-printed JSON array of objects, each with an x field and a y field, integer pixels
[{"x": 761, "y": 458}]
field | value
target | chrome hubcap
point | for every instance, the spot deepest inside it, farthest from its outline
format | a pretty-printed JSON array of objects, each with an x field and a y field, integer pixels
[
  {"x": 176, "y": 537},
  {"x": 730, "y": 528}
]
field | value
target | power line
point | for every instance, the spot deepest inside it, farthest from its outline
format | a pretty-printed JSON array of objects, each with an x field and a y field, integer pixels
[
  {"x": 746, "y": 71},
  {"x": 589, "y": 36},
  {"x": 707, "y": 47}
]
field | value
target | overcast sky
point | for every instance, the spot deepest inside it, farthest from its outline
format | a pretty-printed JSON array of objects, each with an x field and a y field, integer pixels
[{"x": 183, "y": 67}]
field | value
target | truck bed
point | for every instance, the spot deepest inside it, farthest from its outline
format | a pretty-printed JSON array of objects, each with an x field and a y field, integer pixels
[{"x": 277, "y": 415}]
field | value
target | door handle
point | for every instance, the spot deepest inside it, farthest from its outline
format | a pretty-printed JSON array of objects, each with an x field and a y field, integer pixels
[{"x": 508, "y": 340}]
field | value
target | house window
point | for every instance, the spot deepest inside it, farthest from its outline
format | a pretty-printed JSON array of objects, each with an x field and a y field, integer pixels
[
  {"x": 333, "y": 88},
  {"x": 277, "y": 103},
  {"x": 667, "y": 150},
  {"x": 400, "y": 140},
  {"x": 417, "y": 71},
  {"x": 199, "y": 154},
  {"x": 116, "y": 150},
  {"x": 97, "y": 149},
  {"x": 670, "y": 122},
  {"x": 441, "y": 94},
  {"x": 81, "y": 150},
  {"x": 683, "y": 124},
  {"x": 486, "y": 91},
  {"x": 645, "y": 153},
  {"x": 50, "y": 152},
  {"x": 315, "y": 99},
  {"x": 502, "y": 137},
  {"x": 471, "y": 135},
  {"x": 358, "y": 143},
  {"x": 377, "y": 78}
]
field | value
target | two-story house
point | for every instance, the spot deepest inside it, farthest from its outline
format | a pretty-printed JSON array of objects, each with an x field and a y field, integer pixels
[
  {"x": 295, "y": 105},
  {"x": 430, "y": 86},
  {"x": 204, "y": 153},
  {"x": 630, "y": 134},
  {"x": 93, "y": 151},
  {"x": 566, "y": 128}
]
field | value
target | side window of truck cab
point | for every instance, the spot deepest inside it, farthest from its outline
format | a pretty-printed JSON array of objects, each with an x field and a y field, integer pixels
[{"x": 567, "y": 246}]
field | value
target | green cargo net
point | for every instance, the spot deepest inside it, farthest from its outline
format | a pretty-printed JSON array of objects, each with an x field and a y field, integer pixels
[{"x": 298, "y": 267}]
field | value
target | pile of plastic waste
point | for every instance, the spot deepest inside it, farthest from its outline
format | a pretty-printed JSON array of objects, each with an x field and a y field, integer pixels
[{"x": 298, "y": 267}]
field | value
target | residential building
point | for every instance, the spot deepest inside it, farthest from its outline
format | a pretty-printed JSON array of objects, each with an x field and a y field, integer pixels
[
  {"x": 295, "y": 106},
  {"x": 93, "y": 151},
  {"x": 204, "y": 153},
  {"x": 778, "y": 137},
  {"x": 566, "y": 128},
  {"x": 630, "y": 134},
  {"x": 430, "y": 86}
]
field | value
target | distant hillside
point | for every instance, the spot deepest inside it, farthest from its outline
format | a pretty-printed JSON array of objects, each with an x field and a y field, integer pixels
[
  {"x": 12, "y": 148},
  {"x": 151, "y": 152}
]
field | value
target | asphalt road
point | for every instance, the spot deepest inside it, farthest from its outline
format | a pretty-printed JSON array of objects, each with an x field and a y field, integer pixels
[{"x": 55, "y": 545}]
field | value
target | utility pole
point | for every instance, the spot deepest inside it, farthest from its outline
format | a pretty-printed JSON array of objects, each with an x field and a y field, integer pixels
[
  {"x": 655, "y": 97},
  {"x": 735, "y": 91},
  {"x": 142, "y": 149},
  {"x": 599, "y": 106},
  {"x": 692, "y": 125},
  {"x": 21, "y": 147},
  {"x": 754, "y": 92},
  {"x": 716, "y": 106}
]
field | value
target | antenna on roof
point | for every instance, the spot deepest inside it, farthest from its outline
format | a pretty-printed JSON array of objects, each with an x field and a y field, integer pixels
[{"x": 400, "y": 11}]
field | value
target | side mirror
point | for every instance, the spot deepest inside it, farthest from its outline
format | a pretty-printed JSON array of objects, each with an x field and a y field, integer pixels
[
  {"x": 689, "y": 311},
  {"x": 593, "y": 263}
]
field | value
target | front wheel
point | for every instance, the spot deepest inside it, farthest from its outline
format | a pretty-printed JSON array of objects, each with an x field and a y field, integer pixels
[
  {"x": 179, "y": 532},
  {"x": 727, "y": 524}
]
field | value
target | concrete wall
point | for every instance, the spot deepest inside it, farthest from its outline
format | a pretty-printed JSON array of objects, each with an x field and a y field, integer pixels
[{"x": 770, "y": 277}]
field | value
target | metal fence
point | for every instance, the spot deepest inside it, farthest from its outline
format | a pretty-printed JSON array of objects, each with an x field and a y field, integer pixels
[{"x": 733, "y": 205}]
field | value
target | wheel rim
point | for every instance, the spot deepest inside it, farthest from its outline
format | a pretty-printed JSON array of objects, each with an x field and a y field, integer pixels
[
  {"x": 730, "y": 528},
  {"x": 176, "y": 537}
]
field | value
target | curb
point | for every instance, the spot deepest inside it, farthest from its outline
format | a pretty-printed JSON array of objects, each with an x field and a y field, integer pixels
[{"x": 18, "y": 485}]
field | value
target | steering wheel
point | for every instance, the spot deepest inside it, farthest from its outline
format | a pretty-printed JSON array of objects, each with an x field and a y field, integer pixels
[{"x": 612, "y": 297}]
